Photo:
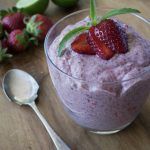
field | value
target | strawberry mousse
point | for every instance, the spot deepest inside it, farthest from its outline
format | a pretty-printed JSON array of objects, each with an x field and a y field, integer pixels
[
  {"x": 101, "y": 73},
  {"x": 106, "y": 94}
]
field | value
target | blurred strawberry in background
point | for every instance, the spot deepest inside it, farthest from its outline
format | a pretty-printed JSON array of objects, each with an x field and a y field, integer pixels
[
  {"x": 18, "y": 41},
  {"x": 13, "y": 21},
  {"x": 25, "y": 25},
  {"x": 38, "y": 26}
]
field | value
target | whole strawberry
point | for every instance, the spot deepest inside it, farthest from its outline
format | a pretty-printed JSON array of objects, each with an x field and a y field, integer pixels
[
  {"x": 81, "y": 46},
  {"x": 38, "y": 26},
  {"x": 13, "y": 21},
  {"x": 18, "y": 41}
]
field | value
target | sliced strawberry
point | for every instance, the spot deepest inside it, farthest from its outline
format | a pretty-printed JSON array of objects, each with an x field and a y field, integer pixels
[
  {"x": 13, "y": 21},
  {"x": 81, "y": 46},
  {"x": 108, "y": 38},
  {"x": 98, "y": 46}
]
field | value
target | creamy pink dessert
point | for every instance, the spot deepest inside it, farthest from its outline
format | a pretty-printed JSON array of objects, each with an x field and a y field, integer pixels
[{"x": 102, "y": 95}]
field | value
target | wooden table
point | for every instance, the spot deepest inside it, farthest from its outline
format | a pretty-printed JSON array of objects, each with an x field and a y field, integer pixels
[{"x": 20, "y": 129}]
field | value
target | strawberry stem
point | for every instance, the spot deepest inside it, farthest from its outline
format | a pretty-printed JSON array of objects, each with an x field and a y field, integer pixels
[
  {"x": 115, "y": 12},
  {"x": 93, "y": 12}
]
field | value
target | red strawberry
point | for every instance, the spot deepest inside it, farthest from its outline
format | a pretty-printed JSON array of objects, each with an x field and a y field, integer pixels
[
  {"x": 108, "y": 38},
  {"x": 18, "y": 41},
  {"x": 38, "y": 26},
  {"x": 81, "y": 46},
  {"x": 13, "y": 21}
]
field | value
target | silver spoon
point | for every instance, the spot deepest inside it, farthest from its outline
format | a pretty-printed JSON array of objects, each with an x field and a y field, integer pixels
[{"x": 21, "y": 88}]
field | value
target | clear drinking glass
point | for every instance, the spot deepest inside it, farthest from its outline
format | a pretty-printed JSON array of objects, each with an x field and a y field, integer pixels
[{"x": 98, "y": 110}]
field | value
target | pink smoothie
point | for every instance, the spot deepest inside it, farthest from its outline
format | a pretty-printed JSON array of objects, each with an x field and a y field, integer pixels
[{"x": 102, "y": 95}]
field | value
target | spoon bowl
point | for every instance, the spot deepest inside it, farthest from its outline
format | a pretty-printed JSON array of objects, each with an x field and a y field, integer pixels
[{"x": 20, "y": 87}]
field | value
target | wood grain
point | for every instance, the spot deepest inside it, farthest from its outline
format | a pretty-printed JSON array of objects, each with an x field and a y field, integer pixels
[{"x": 20, "y": 129}]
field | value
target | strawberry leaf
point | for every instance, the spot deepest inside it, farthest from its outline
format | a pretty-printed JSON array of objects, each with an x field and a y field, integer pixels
[
  {"x": 93, "y": 12},
  {"x": 12, "y": 10},
  {"x": 32, "y": 26},
  {"x": 3, "y": 54},
  {"x": 34, "y": 41},
  {"x": 23, "y": 38},
  {"x": 69, "y": 36},
  {"x": 3, "y": 13},
  {"x": 118, "y": 12}
]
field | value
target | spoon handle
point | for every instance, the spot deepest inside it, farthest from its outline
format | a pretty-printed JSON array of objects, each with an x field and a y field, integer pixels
[{"x": 60, "y": 145}]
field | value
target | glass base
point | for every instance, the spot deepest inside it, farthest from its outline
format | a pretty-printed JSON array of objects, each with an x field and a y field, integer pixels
[
  {"x": 111, "y": 131},
  {"x": 105, "y": 132}
]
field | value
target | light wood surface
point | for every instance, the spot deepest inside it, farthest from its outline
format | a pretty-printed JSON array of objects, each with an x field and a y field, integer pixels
[{"x": 20, "y": 129}]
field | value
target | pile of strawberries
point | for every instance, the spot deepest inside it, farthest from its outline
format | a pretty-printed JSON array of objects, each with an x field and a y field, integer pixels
[{"x": 19, "y": 31}]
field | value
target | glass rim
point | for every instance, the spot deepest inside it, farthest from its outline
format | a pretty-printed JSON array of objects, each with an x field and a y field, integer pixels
[{"x": 76, "y": 78}]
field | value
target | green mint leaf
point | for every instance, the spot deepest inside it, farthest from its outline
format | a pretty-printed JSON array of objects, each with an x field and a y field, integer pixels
[
  {"x": 118, "y": 12},
  {"x": 69, "y": 36},
  {"x": 93, "y": 12}
]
